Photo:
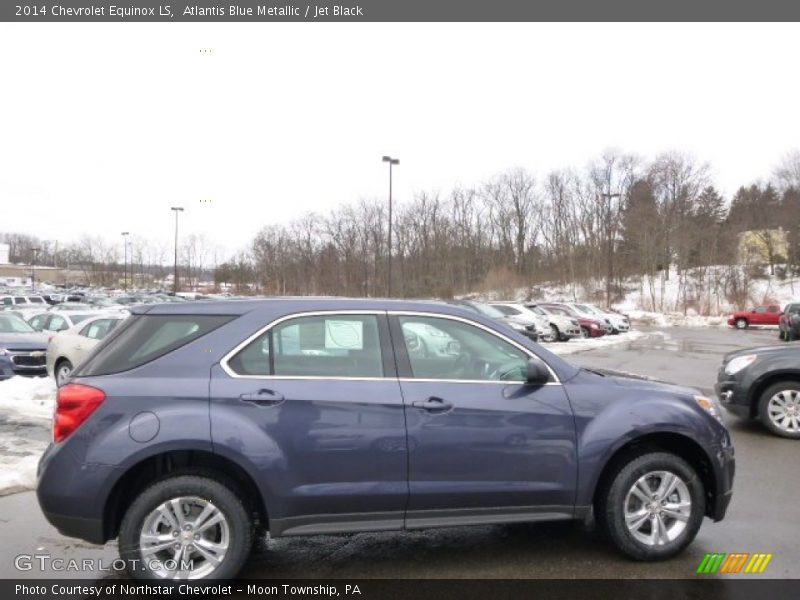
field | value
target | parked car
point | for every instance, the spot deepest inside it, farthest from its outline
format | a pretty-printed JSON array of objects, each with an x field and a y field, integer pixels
[
  {"x": 768, "y": 314},
  {"x": 69, "y": 347},
  {"x": 789, "y": 322},
  {"x": 71, "y": 306},
  {"x": 590, "y": 327},
  {"x": 552, "y": 328},
  {"x": 563, "y": 326},
  {"x": 22, "y": 350},
  {"x": 521, "y": 315},
  {"x": 619, "y": 323},
  {"x": 59, "y": 321},
  {"x": 763, "y": 383},
  {"x": 194, "y": 428},
  {"x": 526, "y": 327},
  {"x": 13, "y": 301}
]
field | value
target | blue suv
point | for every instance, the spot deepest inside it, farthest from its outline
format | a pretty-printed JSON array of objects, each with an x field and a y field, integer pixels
[{"x": 193, "y": 430}]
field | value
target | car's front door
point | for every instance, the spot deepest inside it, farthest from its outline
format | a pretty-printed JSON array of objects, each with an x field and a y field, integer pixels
[
  {"x": 483, "y": 444},
  {"x": 314, "y": 404}
]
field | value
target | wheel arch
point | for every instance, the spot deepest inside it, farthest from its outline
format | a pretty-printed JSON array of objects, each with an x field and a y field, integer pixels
[
  {"x": 180, "y": 462},
  {"x": 765, "y": 381},
  {"x": 675, "y": 443}
]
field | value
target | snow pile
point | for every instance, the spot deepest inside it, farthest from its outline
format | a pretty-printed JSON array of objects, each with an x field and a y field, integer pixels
[
  {"x": 643, "y": 317},
  {"x": 30, "y": 398},
  {"x": 583, "y": 345},
  {"x": 26, "y": 409}
]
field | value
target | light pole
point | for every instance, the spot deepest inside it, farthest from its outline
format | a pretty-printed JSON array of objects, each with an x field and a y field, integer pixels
[
  {"x": 392, "y": 162},
  {"x": 33, "y": 268},
  {"x": 610, "y": 247},
  {"x": 177, "y": 209},
  {"x": 125, "y": 264}
]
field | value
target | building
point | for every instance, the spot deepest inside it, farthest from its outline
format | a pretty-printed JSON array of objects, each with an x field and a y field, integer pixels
[{"x": 763, "y": 246}]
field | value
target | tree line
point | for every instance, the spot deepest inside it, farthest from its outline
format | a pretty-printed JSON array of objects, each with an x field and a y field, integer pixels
[{"x": 587, "y": 230}]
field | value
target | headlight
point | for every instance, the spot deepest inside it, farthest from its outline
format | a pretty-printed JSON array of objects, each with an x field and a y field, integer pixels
[
  {"x": 711, "y": 406},
  {"x": 739, "y": 363},
  {"x": 593, "y": 326},
  {"x": 3, "y": 351}
]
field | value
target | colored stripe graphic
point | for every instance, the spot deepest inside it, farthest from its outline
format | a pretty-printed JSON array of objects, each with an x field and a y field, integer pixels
[{"x": 711, "y": 563}]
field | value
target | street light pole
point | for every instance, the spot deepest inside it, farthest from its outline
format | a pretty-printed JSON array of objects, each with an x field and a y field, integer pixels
[
  {"x": 125, "y": 264},
  {"x": 392, "y": 162},
  {"x": 177, "y": 210},
  {"x": 33, "y": 269},
  {"x": 610, "y": 247}
]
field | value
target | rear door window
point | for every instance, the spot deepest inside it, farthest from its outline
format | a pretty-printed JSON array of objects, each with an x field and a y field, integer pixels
[{"x": 144, "y": 338}]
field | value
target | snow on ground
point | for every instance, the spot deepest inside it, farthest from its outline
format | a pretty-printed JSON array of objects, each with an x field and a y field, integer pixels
[
  {"x": 582, "y": 345},
  {"x": 26, "y": 408}
]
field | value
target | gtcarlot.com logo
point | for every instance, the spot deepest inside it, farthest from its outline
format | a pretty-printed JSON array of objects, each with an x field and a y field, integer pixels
[{"x": 736, "y": 562}]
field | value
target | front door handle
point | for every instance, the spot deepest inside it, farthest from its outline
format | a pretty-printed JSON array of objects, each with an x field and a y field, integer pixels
[
  {"x": 263, "y": 397},
  {"x": 433, "y": 405}
]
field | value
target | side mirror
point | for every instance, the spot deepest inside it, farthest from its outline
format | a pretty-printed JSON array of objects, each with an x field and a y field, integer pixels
[{"x": 537, "y": 373}]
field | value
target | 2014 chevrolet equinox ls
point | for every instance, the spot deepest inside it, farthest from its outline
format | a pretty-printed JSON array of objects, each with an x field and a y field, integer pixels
[{"x": 193, "y": 429}]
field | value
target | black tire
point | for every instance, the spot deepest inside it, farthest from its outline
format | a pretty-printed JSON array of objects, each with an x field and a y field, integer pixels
[
  {"x": 782, "y": 335},
  {"x": 610, "y": 505},
  {"x": 61, "y": 364},
  {"x": 792, "y": 433},
  {"x": 222, "y": 497},
  {"x": 741, "y": 323}
]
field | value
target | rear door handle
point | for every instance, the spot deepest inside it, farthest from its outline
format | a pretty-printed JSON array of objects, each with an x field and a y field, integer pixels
[
  {"x": 433, "y": 405},
  {"x": 263, "y": 398}
]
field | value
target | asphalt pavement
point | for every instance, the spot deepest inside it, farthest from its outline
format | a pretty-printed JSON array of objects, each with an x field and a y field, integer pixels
[{"x": 762, "y": 516}]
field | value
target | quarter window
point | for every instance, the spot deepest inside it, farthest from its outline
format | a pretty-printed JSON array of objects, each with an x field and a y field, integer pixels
[
  {"x": 448, "y": 349},
  {"x": 97, "y": 330},
  {"x": 315, "y": 346}
]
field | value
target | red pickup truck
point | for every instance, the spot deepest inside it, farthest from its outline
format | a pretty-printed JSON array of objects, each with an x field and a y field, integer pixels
[{"x": 769, "y": 314}]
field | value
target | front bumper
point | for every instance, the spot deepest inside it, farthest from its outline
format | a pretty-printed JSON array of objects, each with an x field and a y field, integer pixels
[
  {"x": 9, "y": 368},
  {"x": 724, "y": 470},
  {"x": 733, "y": 395}
]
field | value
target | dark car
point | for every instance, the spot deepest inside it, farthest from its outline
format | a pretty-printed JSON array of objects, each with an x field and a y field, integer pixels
[
  {"x": 22, "y": 349},
  {"x": 195, "y": 428},
  {"x": 765, "y": 383},
  {"x": 789, "y": 322}
]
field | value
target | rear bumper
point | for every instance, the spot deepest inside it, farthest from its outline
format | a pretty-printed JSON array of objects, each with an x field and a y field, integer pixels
[{"x": 72, "y": 495}]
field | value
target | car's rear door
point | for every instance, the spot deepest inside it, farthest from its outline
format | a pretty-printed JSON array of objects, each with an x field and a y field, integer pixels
[
  {"x": 483, "y": 444},
  {"x": 313, "y": 404}
]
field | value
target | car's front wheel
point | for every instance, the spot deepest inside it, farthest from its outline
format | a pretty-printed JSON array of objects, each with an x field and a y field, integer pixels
[
  {"x": 779, "y": 409},
  {"x": 653, "y": 506},
  {"x": 186, "y": 527},
  {"x": 551, "y": 334}
]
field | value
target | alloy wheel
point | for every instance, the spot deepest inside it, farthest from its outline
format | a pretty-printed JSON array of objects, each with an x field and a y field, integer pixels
[
  {"x": 657, "y": 508},
  {"x": 783, "y": 409},
  {"x": 184, "y": 538}
]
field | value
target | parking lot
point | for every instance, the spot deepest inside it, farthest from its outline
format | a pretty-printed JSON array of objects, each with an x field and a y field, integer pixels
[{"x": 761, "y": 518}]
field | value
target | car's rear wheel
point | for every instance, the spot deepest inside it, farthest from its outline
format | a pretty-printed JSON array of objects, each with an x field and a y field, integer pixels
[
  {"x": 652, "y": 507},
  {"x": 63, "y": 371},
  {"x": 741, "y": 323},
  {"x": 779, "y": 409},
  {"x": 186, "y": 527}
]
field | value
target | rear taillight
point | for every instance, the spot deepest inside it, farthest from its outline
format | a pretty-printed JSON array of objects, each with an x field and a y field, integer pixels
[{"x": 75, "y": 403}]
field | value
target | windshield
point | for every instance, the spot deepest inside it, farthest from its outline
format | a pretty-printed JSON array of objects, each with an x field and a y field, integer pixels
[{"x": 13, "y": 324}]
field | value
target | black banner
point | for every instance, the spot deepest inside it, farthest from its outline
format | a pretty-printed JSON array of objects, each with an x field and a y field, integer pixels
[
  {"x": 387, "y": 589},
  {"x": 399, "y": 10}
]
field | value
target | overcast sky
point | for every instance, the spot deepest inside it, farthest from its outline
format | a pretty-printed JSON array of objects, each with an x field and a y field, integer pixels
[{"x": 105, "y": 126}]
